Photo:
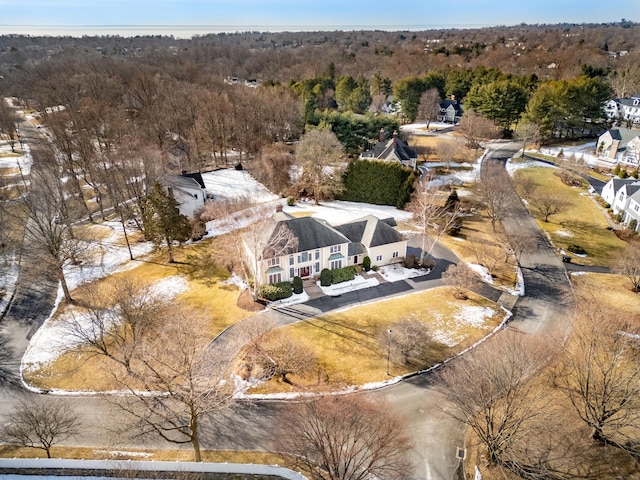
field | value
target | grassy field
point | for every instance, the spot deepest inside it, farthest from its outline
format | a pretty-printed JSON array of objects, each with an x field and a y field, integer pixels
[
  {"x": 215, "y": 300},
  {"x": 477, "y": 243},
  {"x": 351, "y": 345},
  {"x": 611, "y": 290},
  {"x": 583, "y": 223},
  {"x": 168, "y": 455}
]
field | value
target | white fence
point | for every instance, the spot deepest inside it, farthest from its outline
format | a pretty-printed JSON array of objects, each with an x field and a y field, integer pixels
[{"x": 149, "y": 466}]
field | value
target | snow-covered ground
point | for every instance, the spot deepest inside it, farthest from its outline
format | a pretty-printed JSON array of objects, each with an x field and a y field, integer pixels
[
  {"x": 517, "y": 164},
  {"x": 339, "y": 212},
  {"x": 356, "y": 284},
  {"x": 420, "y": 128},
  {"x": 53, "y": 338},
  {"x": 22, "y": 162},
  {"x": 236, "y": 184}
]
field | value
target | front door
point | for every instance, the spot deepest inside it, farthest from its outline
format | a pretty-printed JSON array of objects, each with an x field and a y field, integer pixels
[{"x": 305, "y": 272}]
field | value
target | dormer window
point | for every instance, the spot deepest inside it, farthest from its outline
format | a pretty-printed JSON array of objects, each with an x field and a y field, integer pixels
[{"x": 636, "y": 102}]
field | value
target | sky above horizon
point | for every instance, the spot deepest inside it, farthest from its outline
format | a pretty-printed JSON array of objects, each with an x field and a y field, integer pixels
[{"x": 184, "y": 18}]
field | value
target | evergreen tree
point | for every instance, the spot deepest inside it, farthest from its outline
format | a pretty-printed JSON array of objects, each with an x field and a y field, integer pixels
[{"x": 162, "y": 219}]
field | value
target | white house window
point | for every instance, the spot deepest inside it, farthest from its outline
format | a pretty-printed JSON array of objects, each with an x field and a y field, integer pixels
[
  {"x": 336, "y": 264},
  {"x": 275, "y": 278},
  {"x": 395, "y": 254},
  {"x": 636, "y": 207},
  {"x": 273, "y": 262},
  {"x": 290, "y": 259},
  {"x": 304, "y": 257},
  {"x": 317, "y": 267},
  {"x": 317, "y": 254},
  {"x": 292, "y": 273},
  {"x": 335, "y": 248},
  {"x": 379, "y": 258}
]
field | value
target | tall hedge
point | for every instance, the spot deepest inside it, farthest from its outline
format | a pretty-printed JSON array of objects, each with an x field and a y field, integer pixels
[{"x": 380, "y": 183}]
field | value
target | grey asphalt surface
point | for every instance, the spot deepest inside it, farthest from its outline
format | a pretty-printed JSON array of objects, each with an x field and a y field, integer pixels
[{"x": 436, "y": 434}]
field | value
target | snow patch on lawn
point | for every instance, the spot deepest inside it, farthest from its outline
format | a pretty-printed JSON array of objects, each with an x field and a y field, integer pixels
[
  {"x": 236, "y": 184},
  {"x": 356, "y": 284},
  {"x": 482, "y": 272},
  {"x": 339, "y": 212},
  {"x": 53, "y": 338},
  {"x": 23, "y": 162},
  {"x": 396, "y": 272},
  {"x": 292, "y": 300},
  {"x": 563, "y": 233},
  {"x": 518, "y": 164},
  {"x": 8, "y": 280}
]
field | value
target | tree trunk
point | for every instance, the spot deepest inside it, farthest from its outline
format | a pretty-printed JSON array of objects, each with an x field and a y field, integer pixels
[
  {"x": 65, "y": 287},
  {"x": 195, "y": 441}
]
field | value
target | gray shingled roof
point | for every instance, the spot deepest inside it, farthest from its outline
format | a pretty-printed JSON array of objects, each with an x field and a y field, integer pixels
[
  {"x": 384, "y": 150},
  {"x": 313, "y": 233},
  {"x": 625, "y": 135},
  {"x": 180, "y": 182},
  {"x": 370, "y": 231}
]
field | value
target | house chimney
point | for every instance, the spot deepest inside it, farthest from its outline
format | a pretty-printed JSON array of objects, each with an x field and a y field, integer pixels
[
  {"x": 381, "y": 138},
  {"x": 395, "y": 138},
  {"x": 184, "y": 172},
  {"x": 278, "y": 208},
  {"x": 453, "y": 97}
]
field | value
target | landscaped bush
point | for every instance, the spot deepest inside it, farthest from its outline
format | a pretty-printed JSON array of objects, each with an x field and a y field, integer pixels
[
  {"x": 366, "y": 264},
  {"x": 344, "y": 274},
  {"x": 577, "y": 249},
  {"x": 380, "y": 183},
  {"x": 297, "y": 285},
  {"x": 325, "y": 277},
  {"x": 633, "y": 225},
  {"x": 291, "y": 201},
  {"x": 276, "y": 291},
  {"x": 410, "y": 261}
]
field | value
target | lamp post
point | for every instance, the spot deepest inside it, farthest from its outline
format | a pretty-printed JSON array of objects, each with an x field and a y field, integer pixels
[{"x": 388, "y": 349}]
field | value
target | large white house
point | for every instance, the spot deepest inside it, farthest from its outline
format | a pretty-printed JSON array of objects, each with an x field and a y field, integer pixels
[{"x": 315, "y": 245}]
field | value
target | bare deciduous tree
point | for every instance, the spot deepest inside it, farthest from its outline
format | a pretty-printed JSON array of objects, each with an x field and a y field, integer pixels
[
  {"x": 495, "y": 192},
  {"x": 527, "y": 132},
  {"x": 600, "y": 374},
  {"x": 493, "y": 391},
  {"x": 320, "y": 154},
  {"x": 628, "y": 264},
  {"x": 549, "y": 203},
  {"x": 408, "y": 340},
  {"x": 115, "y": 320},
  {"x": 476, "y": 128},
  {"x": 40, "y": 422},
  {"x": 48, "y": 231},
  {"x": 177, "y": 381},
  {"x": 280, "y": 355},
  {"x": 346, "y": 438},
  {"x": 448, "y": 152},
  {"x": 433, "y": 216},
  {"x": 429, "y": 105},
  {"x": 461, "y": 277}
]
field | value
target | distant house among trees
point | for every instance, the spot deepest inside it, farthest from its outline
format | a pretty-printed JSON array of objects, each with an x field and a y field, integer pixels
[
  {"x": 620, "y": 145},
  {"x": 392, "y": 150},
  {"x": 187, "y": 189},
  {"x": 624, "y": 111},
  {"x": 318, "y": 245},
  {"x": 450, "y": 110}
]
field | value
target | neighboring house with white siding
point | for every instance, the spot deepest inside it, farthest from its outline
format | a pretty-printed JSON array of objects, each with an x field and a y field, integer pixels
[
  {"x": 631, "y": 215},
  {"x": 317, "y": 245},
  {"x": 186, "y": 190},
  {"x": 623, "y": 194},
  {"x": 624, "y": 111}
]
